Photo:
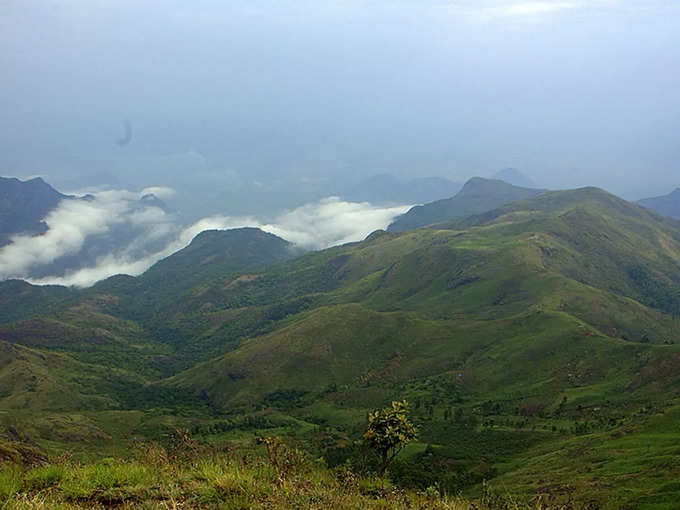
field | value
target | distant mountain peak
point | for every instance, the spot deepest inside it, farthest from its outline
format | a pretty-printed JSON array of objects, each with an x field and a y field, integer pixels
[
  {"x": 233, "y": 234},
  {"x": 478, "y": 195},
  {"x": 152, "y": 200},
  {"x": 666, "y": 205},
  {"x": 476, "y": 185},
  {"x": 24, "y": 204},
  {"x": 514, "y": 177}
]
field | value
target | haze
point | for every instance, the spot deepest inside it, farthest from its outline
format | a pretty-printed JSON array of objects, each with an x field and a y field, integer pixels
[{"x": 249, "y": 106}]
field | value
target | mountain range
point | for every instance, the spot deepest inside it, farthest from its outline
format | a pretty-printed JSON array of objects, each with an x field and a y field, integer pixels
[
  {"x": 24, "y": 205},
  {"x": 514, "y": 177},
  {"x": 477, "y": 195},
  {"x": 81, "y": 229},
  {"x": 666, "y": 205},
  {"x": 536, "y": 342}
]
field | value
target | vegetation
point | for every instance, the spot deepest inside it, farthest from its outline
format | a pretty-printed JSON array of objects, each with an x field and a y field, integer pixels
[
  {"x": 388, "y": 432},
  {"x": 477, "y": 196},
  {"x": 538, "y": 345},
  {"x": 188, "y": 474}
]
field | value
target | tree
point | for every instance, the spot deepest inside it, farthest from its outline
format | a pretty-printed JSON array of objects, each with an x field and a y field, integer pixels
[{"x": 388, "y": 432}]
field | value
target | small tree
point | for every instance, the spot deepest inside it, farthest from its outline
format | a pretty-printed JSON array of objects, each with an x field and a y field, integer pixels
[{"x": 388, "y": 432}]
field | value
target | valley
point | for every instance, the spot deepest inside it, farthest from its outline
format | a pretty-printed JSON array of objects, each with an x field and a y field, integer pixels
[{"x": 537, "y": 343}]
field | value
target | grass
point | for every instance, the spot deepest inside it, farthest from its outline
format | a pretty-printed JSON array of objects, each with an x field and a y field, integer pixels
[
  {"x": 227, "y": 480},
  {"x": 537, "y": 345}
]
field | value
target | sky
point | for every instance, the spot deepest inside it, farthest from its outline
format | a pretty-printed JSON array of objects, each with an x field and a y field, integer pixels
[
  {"x": 264, "y": 112},
  {"x": 302, "y": 97}
]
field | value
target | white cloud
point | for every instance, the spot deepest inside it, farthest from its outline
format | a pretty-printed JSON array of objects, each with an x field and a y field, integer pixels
[
  {"x": 69, "y": 226},
  {"x": 531, "y": 8},
  {"x": 159, "y": 191},
  {"x": 318, "y": 225},
  {"x": 92, "y": 224},
  {"x": 522, "y": 9},
  {"x": 152, "y": 234}
]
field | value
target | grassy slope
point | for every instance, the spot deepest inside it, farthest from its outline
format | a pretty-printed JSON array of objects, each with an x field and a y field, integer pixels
[
  {"x": 529, "y": 307},
  {"x": 478, "y": 195},
  {"x": 539, "y": 325},
  {"x": 224, "y": 478},
  {"x": 19, "y": 299}
]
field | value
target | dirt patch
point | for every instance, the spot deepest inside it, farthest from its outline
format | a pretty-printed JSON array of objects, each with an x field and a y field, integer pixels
[{"x": 244, "y": 278}]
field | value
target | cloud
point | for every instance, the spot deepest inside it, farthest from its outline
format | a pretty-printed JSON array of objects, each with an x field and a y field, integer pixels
[
  {"x": 69, "y": 226},
  {"x": 159, "y": 191},
  {"x": 535, "y": 8},
  {"x": 318, "y": 225},
  {"x": 115, "y": 232},
  {"x": 88, "y": 229},
  {"x": 531, "y": 8}
]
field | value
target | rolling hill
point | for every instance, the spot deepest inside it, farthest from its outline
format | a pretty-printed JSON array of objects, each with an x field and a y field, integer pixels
[
  {"x": 478, "y": 195},
  {"x": 537, "y": 343}
]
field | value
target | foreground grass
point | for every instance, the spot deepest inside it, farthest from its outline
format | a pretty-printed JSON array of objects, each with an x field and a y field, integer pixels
[
  {"x": 208, "y": 483},
  {"x": 227, "y": 479}
]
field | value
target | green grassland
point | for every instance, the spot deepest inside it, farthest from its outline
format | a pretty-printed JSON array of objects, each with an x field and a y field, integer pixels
[
  {"x": 195, "y": 475},
  {"x": 538, "y": 346}
]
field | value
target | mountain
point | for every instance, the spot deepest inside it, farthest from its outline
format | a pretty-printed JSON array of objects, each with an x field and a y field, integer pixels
[
  {"x": 26, "y": 205},
  {"x": 514, "y": 177},
  {"x": 666, "y": 205},
  {"x": 478, "y": 195},
  {"x": 557, "y": 254},
  {"x": 214, "y": 253},
  {"x": 536, "y": 342},
  {"x": 551, "y": 321},
  {"x": 23, "y": 205},
  {"x": 388, "y": 189}
]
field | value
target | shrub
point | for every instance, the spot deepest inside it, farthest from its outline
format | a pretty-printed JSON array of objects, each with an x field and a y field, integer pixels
[{"x": 388, "y": 432}]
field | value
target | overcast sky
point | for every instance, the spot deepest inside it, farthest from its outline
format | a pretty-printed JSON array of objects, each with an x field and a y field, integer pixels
[{"x": 289, "y": 93}]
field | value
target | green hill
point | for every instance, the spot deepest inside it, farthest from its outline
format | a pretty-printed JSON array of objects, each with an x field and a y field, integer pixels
[
  {"x": 214, "y": 253},
  {"x": 478, "y": 195},
  {"x": 577, "y": 260},
  {"x": 537, "y": 344}
]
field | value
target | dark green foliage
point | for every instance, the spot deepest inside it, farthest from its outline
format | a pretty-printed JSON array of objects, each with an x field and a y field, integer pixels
[
  {"x": 537, "y": 343},
  {"x": 388, "y": 432},
  {"x": 19, "y": 300}
]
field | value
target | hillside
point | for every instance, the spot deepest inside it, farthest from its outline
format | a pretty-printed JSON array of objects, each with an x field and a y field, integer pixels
[
  {"x": 563, "y": 264},
  {"x": 533, "y": 340},
  {"x": 666, "y": 205},
  {"x": 23, "y": 205},
  {"x": 196, "y": 475},
  {"x": 215, "y": 253},
  {"x": 478, "y": 195}
]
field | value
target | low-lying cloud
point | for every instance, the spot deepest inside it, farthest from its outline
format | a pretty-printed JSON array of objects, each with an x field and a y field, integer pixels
[
  {"x": 122, "y": 232},
  {"x": 319, "y": 225}
]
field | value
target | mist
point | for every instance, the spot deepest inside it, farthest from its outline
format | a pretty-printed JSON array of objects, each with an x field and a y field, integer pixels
[
  {"x": 116, "y": 232},
  {"x": 253, "y": 107}
]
